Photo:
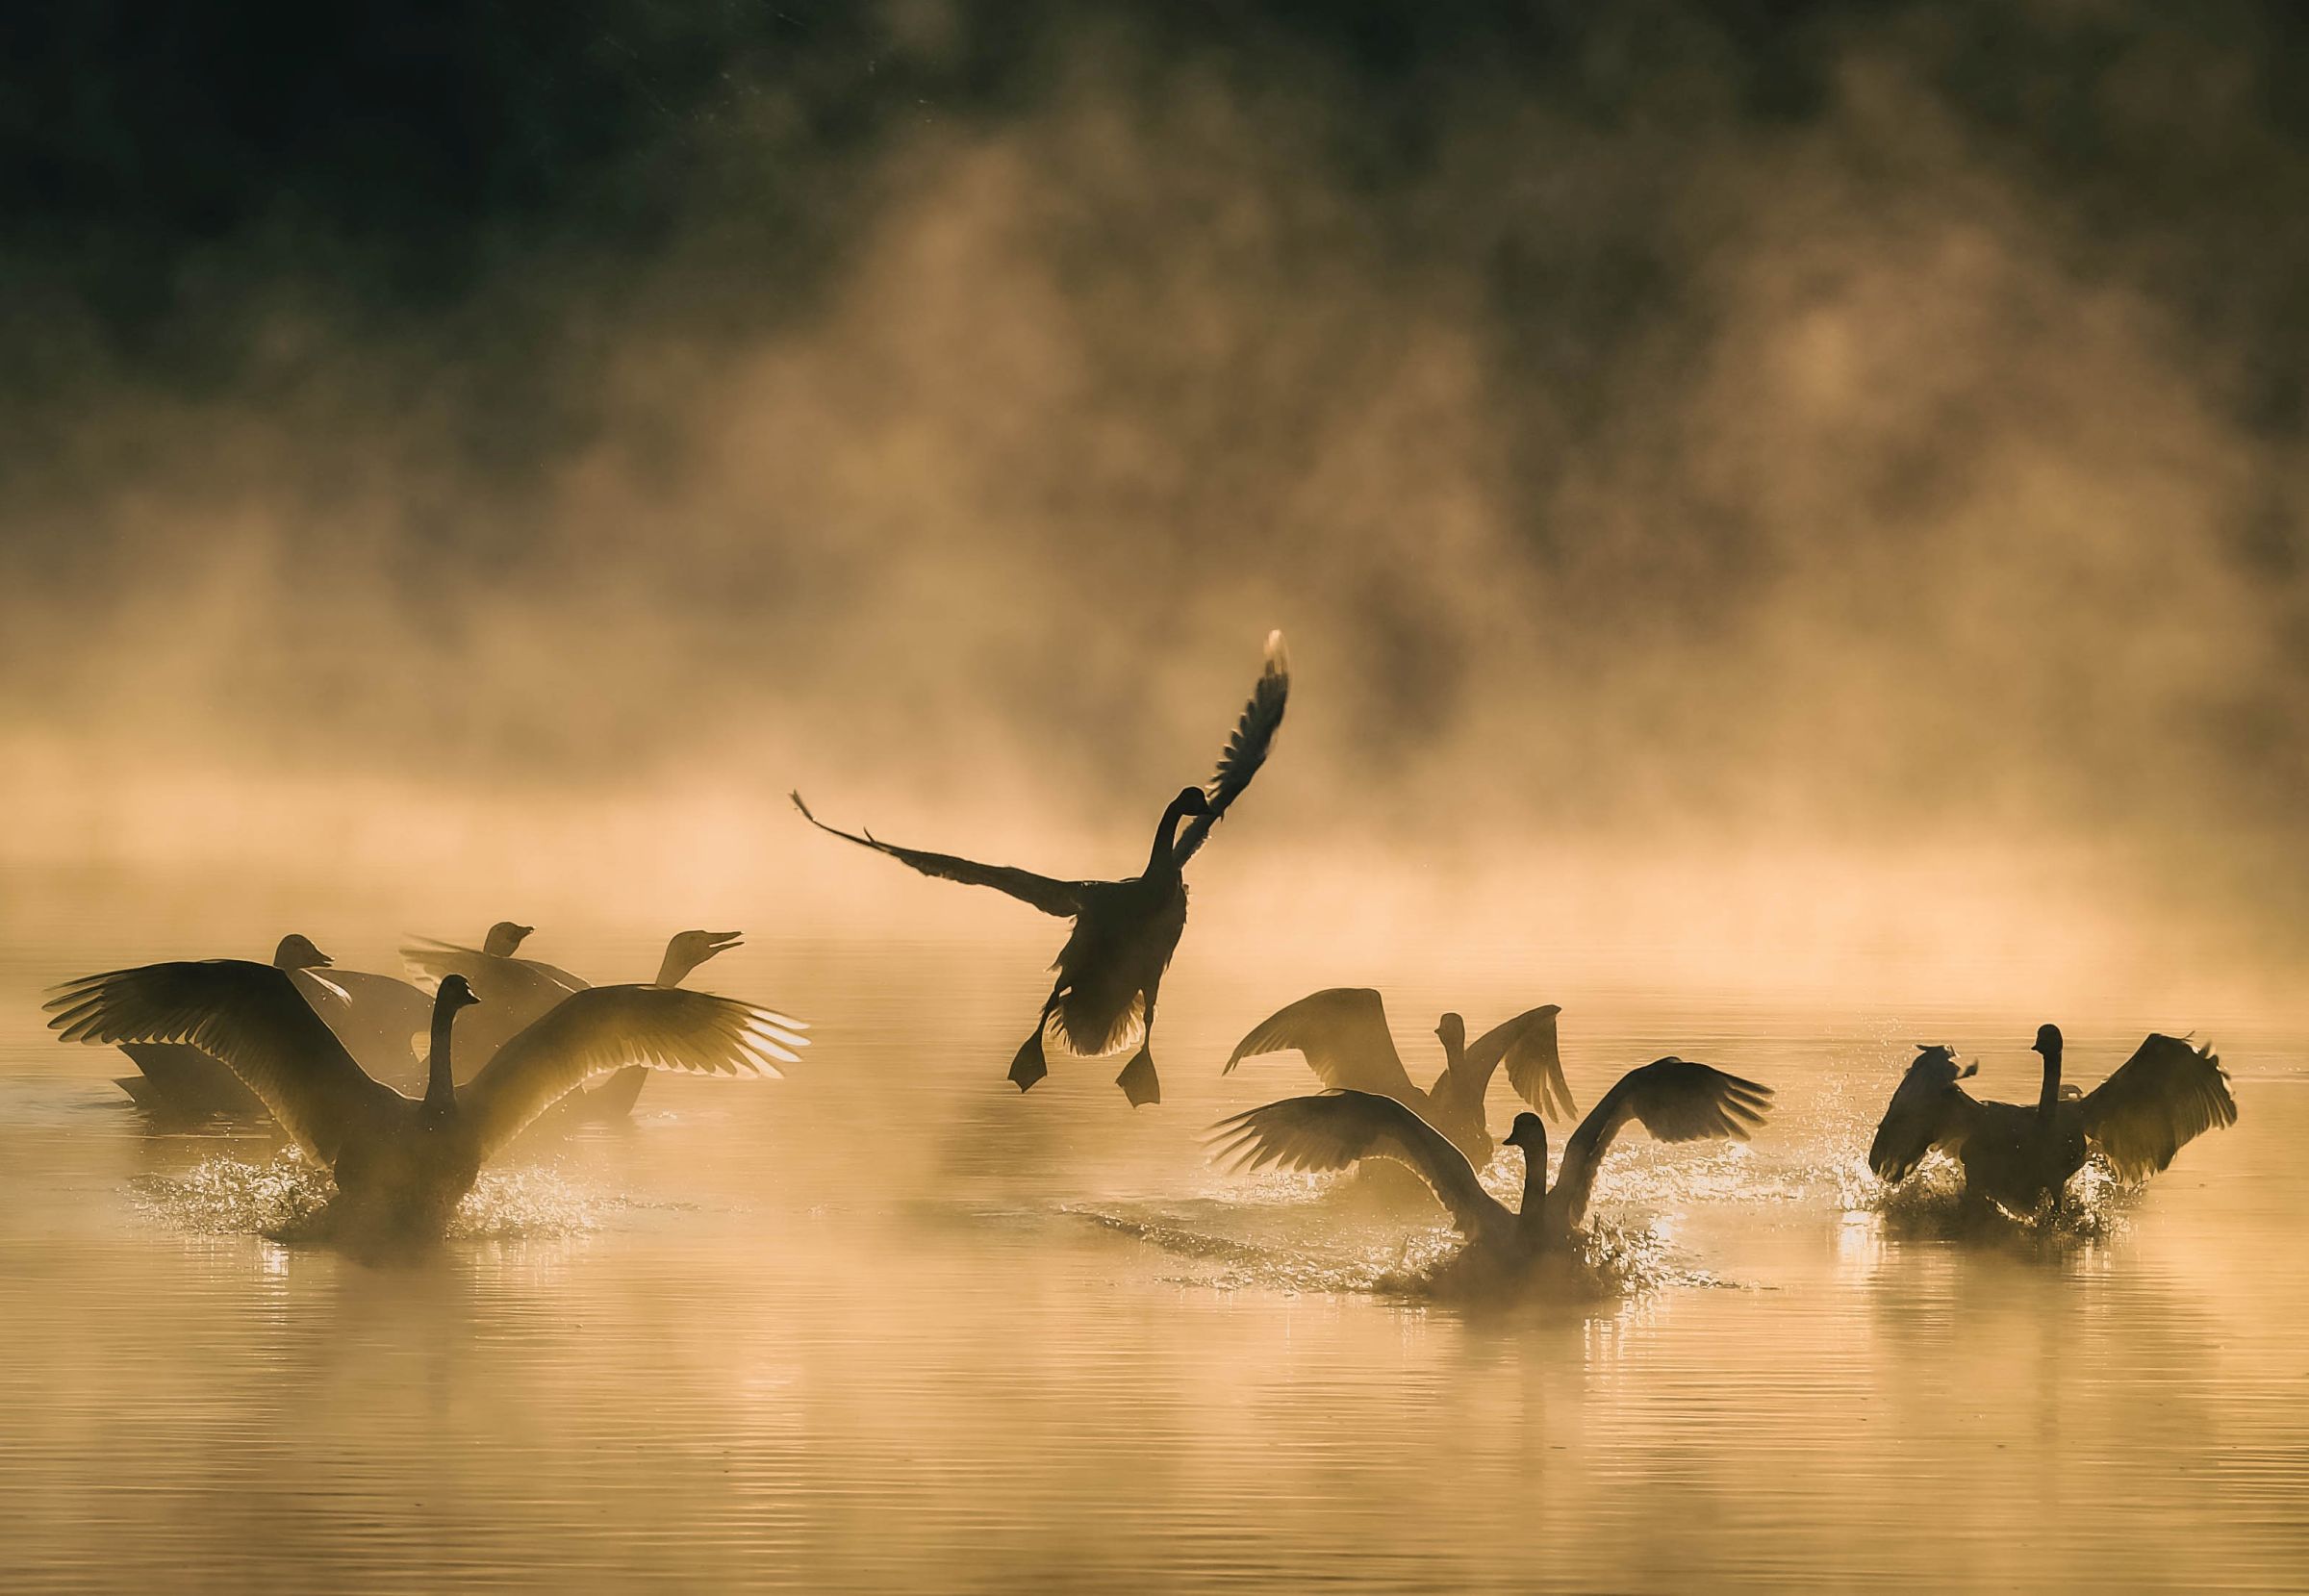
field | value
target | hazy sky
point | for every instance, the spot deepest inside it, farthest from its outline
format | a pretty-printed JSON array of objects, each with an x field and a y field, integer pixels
[{"x": 1869, "y": 428}]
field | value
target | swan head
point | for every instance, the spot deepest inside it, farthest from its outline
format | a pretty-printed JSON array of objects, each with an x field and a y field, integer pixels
[
  {"x": 688, "y": 949},
  {"x": 1193, "y": 801},
  {"x": 504, "y": 937},
  {"x": 455, "y": 993},
  {"x": 1913, "y": 1120},
  {"x": 2048, "y": 1042},
  {"x": 1530, "y": 1133},
  {"x": 1452, "y": 1031},
  {"x": 296, "y": 952}
]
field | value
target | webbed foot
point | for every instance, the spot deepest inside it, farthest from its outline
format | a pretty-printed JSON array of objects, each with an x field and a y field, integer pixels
[
  {"x": 1138, "y": 1080},
  {"x": 1028, "y": 1067}
]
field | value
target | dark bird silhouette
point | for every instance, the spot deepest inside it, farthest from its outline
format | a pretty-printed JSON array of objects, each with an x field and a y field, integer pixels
[
  {"x": 1342, "y": 1033},
  {"x": 515, "y": 993},
  {"x": 2017, "y": 1154},
  {"x": 1674, "y": 1098},
  {"x": 402, "y": 1164},
  {"x": 1111, "y": 970},
  {"x": 378, "y": 1018}
]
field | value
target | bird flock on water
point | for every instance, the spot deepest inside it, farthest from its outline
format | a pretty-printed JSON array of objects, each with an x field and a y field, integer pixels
[{"x": 404, "y": 1088}]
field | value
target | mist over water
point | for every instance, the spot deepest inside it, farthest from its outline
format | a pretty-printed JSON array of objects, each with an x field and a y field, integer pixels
[
  {"x": 1774, "y": 484},
  {"x": 1789, "y": 530}
]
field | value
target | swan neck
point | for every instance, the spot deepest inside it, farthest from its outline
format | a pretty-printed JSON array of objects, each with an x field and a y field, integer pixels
[
  {"x": 673, "y": 970},
  {"x": 1166, "y": 838},
  {"x": 2048, "y": 1103},
  {"x": 1534, "y": 1182},
  {"x": 441, "y": 1080}
]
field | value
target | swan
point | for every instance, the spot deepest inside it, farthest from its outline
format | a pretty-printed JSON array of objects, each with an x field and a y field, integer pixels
[
  {"x": 1342, "y": 1033},
  {"x": 1111, "y": 970},
  {"x": 402, "y": 1164},
  {"x": 515, "y": 992},
  {"x": 2017, "y": 1154},
  {"x": 376, "y": 1017},
  {"x": 1675, "y": 1100}
]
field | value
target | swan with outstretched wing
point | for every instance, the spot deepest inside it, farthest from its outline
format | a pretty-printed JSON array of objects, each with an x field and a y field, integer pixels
[
  {"x": 2017, "y": 1155},
  {"x": 402, "y": 1164},
  {"x": 1109, "y": 973},
  {"x": 1674, "y": 1098}
]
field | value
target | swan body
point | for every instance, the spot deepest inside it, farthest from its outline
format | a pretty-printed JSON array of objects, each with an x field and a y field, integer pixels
[
  {"x": 2017, "y": 1155},
  {"x": 402, "y": 1164},
  {"x": 1109, "y": 973},
  {"x": 1342, "y": 1033},
  {"x": 378, "y": 1019},
  {"x": 1674, "y": 1098}
]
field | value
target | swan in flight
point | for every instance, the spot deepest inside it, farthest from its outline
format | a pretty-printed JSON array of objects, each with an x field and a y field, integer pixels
[
  {"x": 2017, "y": 1154},
  {"x": 378, "y": 1018},
  {"x": 515, "y": 992},
  {"x": 1674, "y": 1098},
  {"x": 1111, "y": 970},
  {"x": 402, "y": 1164},
  {"x": 1342, "y": 1034}
]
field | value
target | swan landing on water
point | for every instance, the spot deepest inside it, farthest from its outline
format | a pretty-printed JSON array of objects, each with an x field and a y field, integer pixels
[
  {"x": 1342, "y": 1033},
  {"x": 2017, "y": 1156},
  {"x": 402, "y": 1164},
  {"x": 1674, "y": 1098},
  {"x": 1111, "y": 970}
]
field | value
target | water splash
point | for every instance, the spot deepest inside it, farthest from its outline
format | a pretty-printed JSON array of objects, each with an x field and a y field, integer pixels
[
  {"x": 1931, "y": 1204},
  {"x": 285, "y": 1197}
]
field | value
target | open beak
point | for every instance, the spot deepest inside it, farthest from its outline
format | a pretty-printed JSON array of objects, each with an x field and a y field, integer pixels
[{"x": 724, "y": 941}]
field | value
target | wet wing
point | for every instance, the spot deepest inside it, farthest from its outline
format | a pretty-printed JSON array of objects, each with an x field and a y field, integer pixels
[
  {"x": 1063, "y": 898},
  {"x": 251, "y": 1017},
  {"x": 1246, "y": 750},
  {"x": 1527, "y": 1046},
  {"x": 1676, "y": 1100},
  {"x": 2165, "y": 1096},
  {"x": 606, "y": 1029},
  {"x": 1337, "y": 1130},
  {"x": 1342, "y": 1033}
]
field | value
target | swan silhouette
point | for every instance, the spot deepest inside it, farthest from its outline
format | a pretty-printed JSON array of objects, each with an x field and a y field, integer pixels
[
  {"x": 515, "y": 992},
  {"x": 402, "y": 1164},
  {"x": 2017, "y": 1154},
  {"x": 378, "y": 1019},
  {"x": 1111, "y": 970},
  {"x": 1342, "y": 1033},
  {"x": 1675, "y": 1100}
]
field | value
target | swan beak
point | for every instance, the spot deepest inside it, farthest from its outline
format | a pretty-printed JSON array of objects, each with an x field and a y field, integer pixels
[{"x": 723, "y": 941}]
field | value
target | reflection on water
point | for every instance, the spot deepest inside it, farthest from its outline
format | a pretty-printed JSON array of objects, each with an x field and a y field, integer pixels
[{"x": 889, "y": 1324}]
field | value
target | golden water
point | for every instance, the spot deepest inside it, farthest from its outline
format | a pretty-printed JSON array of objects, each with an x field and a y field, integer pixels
[{"x": 885, "y": 1325}]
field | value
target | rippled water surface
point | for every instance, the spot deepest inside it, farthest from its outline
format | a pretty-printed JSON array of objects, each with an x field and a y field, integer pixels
[{"x": 886, "y": 1325}]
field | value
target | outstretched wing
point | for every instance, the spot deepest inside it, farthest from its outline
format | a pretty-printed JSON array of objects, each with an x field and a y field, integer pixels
[
  {"x": 1246, "y": 750},
  {"x": 1527, "y": 1046},
  {"x": 1336, "y": 1130},
  {"x": 1342, "y": 1033},
  {"x": 1676, "y": 1100},
  {"x": 2161, "y": 1099},
  {"x": 606, "y": 1029},
  {"x": 1063, "y": 898},
  {"x": 250, "y": 1016}
]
